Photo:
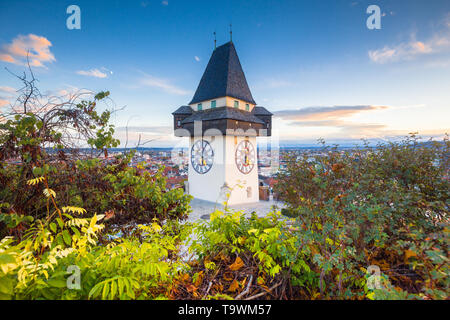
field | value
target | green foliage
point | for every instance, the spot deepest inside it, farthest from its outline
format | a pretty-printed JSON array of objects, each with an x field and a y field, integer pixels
[
  {"x": 385, "y": 206},
  {"x": 265, "y": 242},
  {"x": 126, "y": 195},
  {"x": 141, "y": 267},
  {"x": 373, "y": 206}
]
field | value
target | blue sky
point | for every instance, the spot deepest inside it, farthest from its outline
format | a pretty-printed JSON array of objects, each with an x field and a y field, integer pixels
[{"x": 314, "y": 64}]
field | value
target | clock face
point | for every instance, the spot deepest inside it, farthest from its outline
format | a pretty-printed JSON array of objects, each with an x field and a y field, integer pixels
[
  {"x": 202, "y": 156},
  {"x": 245, "y": 156}
]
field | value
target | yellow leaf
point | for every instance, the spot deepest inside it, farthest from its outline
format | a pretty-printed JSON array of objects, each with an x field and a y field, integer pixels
[
  {"x": 237, "y": 264},
  {"x": 32, "y": 182},
  {"x": 156, "y": 227},
  {"x": 49, "y": 192}
]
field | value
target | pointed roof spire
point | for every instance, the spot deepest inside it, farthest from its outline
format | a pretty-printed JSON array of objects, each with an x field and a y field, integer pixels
[
  {"x": 231, "y": 33},
  {"x": 223, "y": 76},
  {"x": 215, "y": 40}
]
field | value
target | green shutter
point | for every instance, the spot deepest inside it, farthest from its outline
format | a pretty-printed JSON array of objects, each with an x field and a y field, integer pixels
[
  {"x": 213, "y": 104},
  {"x": 199, "y": 107},
  {"x": 236, "y": 104},
  {"x": 247, "y": 107}
]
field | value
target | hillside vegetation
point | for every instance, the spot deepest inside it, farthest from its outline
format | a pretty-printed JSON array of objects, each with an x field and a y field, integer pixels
[{"x": 78, "y": 227}]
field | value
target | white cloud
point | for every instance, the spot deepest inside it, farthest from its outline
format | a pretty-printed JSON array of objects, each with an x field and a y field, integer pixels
[
  {"x": 409, "y": 50},
  {"x": 324, "y": 113},
  {"x": 197, "y": 58},
  {"x": 92, "y": 73},
  {"x": 11, "y": 94},
  {"x": 163, "y": 84},
  {"x": 8, "y": 89},
  {"x": 165, "y": 3},
  {"x": 3, "y": 102},
  {"x": 37, "y": 49},
  {"x": 405, "y": 51}
]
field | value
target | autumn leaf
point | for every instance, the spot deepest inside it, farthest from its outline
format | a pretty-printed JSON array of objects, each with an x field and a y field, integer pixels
[
  {"x": 185, "y": 277},
  {"x": 228, "y": 276},
  {"x": 237, "y": 264},
  {"x": 199, "y": 279},
  {"x": 191, "y": 288},
  {"x": 409, "y": 254},
  {"x": 233, "y": 286}
]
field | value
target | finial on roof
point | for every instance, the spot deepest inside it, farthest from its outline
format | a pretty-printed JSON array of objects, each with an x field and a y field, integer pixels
[
  {"x": 231, "y": 33},
  {"x": 215, "y": 40}
]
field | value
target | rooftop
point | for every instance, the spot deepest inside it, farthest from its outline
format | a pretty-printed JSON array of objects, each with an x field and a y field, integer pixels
[
  {"x": 261, "y": 111},
  {"x": 183, "y": 110},
  {"x": 223, "y": 76}
]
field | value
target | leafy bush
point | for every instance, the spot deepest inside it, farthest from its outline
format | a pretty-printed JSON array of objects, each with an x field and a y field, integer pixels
[
  {"x": 126, "y": 268},
  {"x": 245, "y": 258},
  {"x": 385, "y": 206},
  {"x": 41, "y": 138}
]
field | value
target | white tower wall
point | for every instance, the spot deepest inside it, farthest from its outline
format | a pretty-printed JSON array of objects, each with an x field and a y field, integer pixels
[{"x": 243, "y": 188}]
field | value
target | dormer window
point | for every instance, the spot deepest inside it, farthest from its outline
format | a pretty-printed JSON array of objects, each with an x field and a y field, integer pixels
[
  {"x": 236, "y": 104},
  {"x": 199, "y": 107},
  {"x": 213, "y": 104},
  {"x": 247, "y": 107},
  {"x": 179, "y": 123}
]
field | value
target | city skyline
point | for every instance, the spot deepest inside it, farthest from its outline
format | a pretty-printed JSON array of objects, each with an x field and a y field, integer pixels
[{"x": 316, "y": 65}]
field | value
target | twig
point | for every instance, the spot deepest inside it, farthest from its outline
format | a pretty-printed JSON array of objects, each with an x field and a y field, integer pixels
[
  {"x": 243, "y": 293},
  {"x": 263, "y": 293},
  {"x": 207, "y": 290}
]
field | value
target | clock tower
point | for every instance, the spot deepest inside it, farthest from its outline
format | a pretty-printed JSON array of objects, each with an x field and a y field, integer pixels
[{"x": 222, "y": 122}]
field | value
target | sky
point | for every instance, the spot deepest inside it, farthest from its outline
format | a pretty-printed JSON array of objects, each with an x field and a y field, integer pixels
[{"x": 314, "y": 64}]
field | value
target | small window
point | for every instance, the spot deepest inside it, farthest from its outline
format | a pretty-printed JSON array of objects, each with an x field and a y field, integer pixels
[
  {"x": 236, "y": 104},
  {"x": 247, "y": 107},
  {"x": 213, "y": 104},
  {"x": 199, "y": 107},
  {"x": 178, "y": 123}
]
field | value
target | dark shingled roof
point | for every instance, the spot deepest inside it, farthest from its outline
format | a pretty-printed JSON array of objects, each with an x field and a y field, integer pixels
[
  {"x": 223, "y": 113},
  {"x": 223, "y": 77},
  {"x": 261, "y": 111},
  {"x": 183, "y": 110}
]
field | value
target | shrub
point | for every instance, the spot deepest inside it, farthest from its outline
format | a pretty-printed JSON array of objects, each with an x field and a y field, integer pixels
[
  {"x": 385, "y": 206},
  {"x": 240, "y": 257},
  {"x": 141, "y": 267}
]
